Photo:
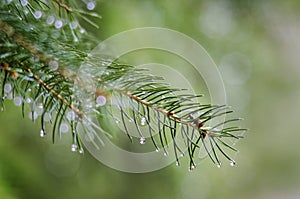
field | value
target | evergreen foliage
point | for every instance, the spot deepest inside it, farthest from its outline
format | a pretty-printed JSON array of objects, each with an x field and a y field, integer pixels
[{"x": 43, "y": 47}]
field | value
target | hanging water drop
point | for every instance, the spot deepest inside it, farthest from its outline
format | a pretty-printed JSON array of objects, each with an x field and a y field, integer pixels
[
  {"x": 91, "y": 5},
  {"x": 117, "y": 121},
  {"x": 157, "y": 150},
  {"x": 74, "y": 147},
  {"x": 39, "y": 109},
  {"x": 47, "y": 117},
  {"x": 142, "y": 140},
  {"x": 42, "y": 133},
  {"x": 177, "y": 163},
  {"x": 28, "y": 100},
  {"x": 53, "y": 65},
  {"x": 7, "y": 88},
  {"x": 81, "y": 150},
  {"x": 50, "y": 19},
  {"x": 181, "y": 154},
  {"x": 58, "y": 24},
  {"x": 219, "y": 165},
  {"x": 143, "y": 121},
  {"x": 166, "y": 153},
  {"x": 33, "y": 115},
  {"x": 232, "y": 163},
  {"x": 100, "y": 101},
  {"x": 37, "y": 14},
  {"x": 71, "y": 115},
  {"x": 64, "y": 128},
  {"x": 18, "y": 100},
  {"x": 24, "y": 2}
]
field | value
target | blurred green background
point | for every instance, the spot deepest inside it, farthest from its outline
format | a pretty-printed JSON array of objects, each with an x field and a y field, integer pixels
[{"x": 256, "y": 46}]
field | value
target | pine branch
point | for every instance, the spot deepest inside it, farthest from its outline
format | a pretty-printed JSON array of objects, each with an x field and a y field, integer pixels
[{"x": 40, "y": 69}]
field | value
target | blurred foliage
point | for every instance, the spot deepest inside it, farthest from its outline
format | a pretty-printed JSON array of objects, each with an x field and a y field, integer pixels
[{"x": 256, "y": 46}]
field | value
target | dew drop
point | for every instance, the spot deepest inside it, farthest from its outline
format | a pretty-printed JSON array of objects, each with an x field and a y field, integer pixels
[
  {"x": 42, "y": 133},
  {"x": 177, "y": 163},
  {"x": 142, "y": 140},
  {"x": 24, "y": 2},
  {"x": 39, "y": 109},
  {"x": 30, "y": 74},
  {"x": 117, "y": 121},
  {"x": 100, "y": 101},
  {"x": 74, "y": 24},
  {"x": 74, "y": 147},
  {"x": 26, "y": 11},
  {"x": 157, "y": 150},
  {"x": 50, "y": 19},
  {"x": 82, "y": 31},
  {"x": 7, "y": 88},
  {"x": 81, "y": 150},
  {"x": 18, "y": 100},
  {"x": 166, "y": 153},
  {"x": 64, "y": 128},
  {"x": 28, "y": 100},
  {"x": 47, "y": 117},
  {"x": 71, "y": 115},
  {"x": 181, "y": 154},
  {"x": 91, "y": 5},
  {"x": 232, "y": 163},
  {"x": 219, "y": 165},
  {"x": 33, "y": 115},
  {"x": 37, "y": 14},
  {"x": 53, "y": 65},
  {"x": 130, "y": 120},
  {"x": 58, "y": 23},
  {"x": 143, "y": 121}
]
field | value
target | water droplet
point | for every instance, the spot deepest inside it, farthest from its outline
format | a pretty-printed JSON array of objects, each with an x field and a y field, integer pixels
[
  {"x": 26, "y": 11},
  {"x": 100, "y": 101},
  {"x": 166, "y": 153},
  {"x": 50, "y": 19},
  {"x": 130, "y": 120},
  {"x": 53, "y": 65},
  {"x": 74, "y": 24},
  {"x": 33, "y": 115},
  {"x": 37, "y": 14},
  {"x": 74, "y": 147},
  {"x": 39, "y": 109},
  {"x": 71, "y": 115},
  {"x": 47, "y": 117},
  {"x": 58, "y": 24},
  {"x": 142, "y": 140},
  {"x": 7, "y": 88},
  {"x": 91, "y": 5},
  {"x": 232, "y": 163},
  {"x": 64, "y": 127},
  {"x": 82, "y": 31},
  {"x": 117, "y": 121},
  {"x": 219, "y": 165},
  {"x": 30, "y": 74},
  {"x": 18, "y": 100},
  {"x": 81, "y": 150},
  {"x": 42, "y": 133},
  {"x": 157, "y": 150},
  {"x": 181, "y": 154},
  {"x": 24, "y": 2},
  {"x": 177, "y": 163},
  {"x": 28, "y": 100},
  {"x": 143, "y": 121}
]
